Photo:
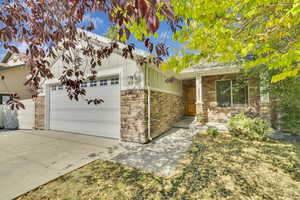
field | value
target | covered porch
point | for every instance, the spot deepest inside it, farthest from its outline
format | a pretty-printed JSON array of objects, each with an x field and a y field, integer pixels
[{"x": 212, "y": 93}]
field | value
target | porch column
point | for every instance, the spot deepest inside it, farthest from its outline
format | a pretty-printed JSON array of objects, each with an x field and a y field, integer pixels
[
  {"x": 264, "y": 94},
  {"x": 200, "y": 114},
  {"x": 199, "y": 99}
]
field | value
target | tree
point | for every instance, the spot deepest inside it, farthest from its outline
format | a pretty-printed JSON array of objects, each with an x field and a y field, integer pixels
[
  {"x": 255, "y": 33},
  {"x": 52, "y": 27},
  {"x": 112, "y": 33}
]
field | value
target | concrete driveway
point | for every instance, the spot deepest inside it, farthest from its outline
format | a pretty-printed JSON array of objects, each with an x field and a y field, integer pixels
[{"x": 31, "y": 158}]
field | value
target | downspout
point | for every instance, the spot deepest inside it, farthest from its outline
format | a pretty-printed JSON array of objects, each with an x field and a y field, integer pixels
[{"x": 149, "y": 106}]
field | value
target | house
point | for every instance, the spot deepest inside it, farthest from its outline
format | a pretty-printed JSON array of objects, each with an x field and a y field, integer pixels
[
  {"x": 139, "y": 104},
  {"x": 12, "y": 78}
]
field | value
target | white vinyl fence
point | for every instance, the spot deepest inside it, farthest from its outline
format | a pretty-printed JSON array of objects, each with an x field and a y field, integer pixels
[
  {"x": 8, "y": 118},
  {"x": 17, "y": 119}
]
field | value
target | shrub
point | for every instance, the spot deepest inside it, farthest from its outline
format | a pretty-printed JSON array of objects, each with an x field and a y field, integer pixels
[
  {"x": 286, "y": 94},
  {"x": 290, "y": 118},
  {"x": 251, "y": 128},
  {"x": 212, "y": 131}
]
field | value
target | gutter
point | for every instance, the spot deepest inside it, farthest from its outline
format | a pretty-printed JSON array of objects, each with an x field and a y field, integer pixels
[{"x": 10, "y": 67}]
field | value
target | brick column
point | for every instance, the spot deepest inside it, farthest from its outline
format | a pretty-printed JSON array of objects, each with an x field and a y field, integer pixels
[
  {"x": 40, "y": 112},
  {"x": 134, "y": 116}
]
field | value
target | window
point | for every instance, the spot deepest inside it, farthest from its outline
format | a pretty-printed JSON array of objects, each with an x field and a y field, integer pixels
[
  {"x": 103, "y": 82},
  {"x": 231, "y": 93},
  {"x": 60, "y": 87},
  {"x": 53, "y": 88},
  {"x": 93, "y": 83},
  {"x": 239, "y": 93},
  {"x": 84, "y": 85},
  {"x": 114, "y": 81},
  {"x": 4, "y": 98},
  {"x": 224, "y": 93}
]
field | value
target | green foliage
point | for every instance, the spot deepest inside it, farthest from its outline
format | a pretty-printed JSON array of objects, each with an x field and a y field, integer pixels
[
  {"x": 287, "y": 96},
  {"x": 251, "y": 128},
  {"x": 113, "y": 32},
  {"x": 233, "y": 30},
  {"x": 213, "y": 131}
]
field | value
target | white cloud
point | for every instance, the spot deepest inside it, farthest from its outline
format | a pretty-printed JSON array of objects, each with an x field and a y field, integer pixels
[
  {"x": 22, "y": 47},
  {"x": 97, "y": 21},
  {"x": 165, "y": 35}
]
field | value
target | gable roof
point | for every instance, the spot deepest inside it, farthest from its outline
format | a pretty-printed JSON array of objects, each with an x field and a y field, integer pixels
[
  {"x": 204, "y": 68},
  {"x": 4, "y": 64},
  {"x": 6, "y": 57},
  {"x": 104, "y": 41}
]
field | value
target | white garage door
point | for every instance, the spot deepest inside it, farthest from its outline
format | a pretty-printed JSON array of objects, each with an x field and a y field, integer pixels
[{"x": 79, "y": 117}]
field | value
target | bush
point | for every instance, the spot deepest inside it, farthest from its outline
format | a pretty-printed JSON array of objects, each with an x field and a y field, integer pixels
[
  {"x": 212, "y": 131},
  {"x": 287, "y": 104},
  {"x": 290, "y": 118},
  {"x": 251, "y": 128}
]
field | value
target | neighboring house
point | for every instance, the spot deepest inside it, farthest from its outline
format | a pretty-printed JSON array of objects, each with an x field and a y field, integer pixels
[
  {"x": 14, "y": 72},
  {"x": 139, "y": 104}
]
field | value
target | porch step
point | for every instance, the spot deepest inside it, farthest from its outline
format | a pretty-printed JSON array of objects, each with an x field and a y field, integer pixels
[
  {"x": 189, "y": 123},
  {"x": 184, "y": 123}
]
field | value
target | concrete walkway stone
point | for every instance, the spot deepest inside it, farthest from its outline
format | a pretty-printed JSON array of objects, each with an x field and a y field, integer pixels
[{"x": 161, "y": 156}]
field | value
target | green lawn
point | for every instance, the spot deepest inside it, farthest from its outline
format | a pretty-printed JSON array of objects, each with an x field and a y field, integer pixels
[{"x": 221, "y": 168}]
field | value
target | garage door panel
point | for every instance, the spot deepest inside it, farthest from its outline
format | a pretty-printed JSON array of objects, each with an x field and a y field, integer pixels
[
  {"x": 66, "y": 102},
  {"x": 79, "y": 117},
  {"x": 103, "y": 129},
  {"x": 101, "y": 107},
  {"x": 85, "y": 116}
]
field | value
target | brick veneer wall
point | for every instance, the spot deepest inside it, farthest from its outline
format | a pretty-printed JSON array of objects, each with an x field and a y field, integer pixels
[
  {"x": 40, "y": 112},
  {"x": 134, "y": 116},
  {"x": 219, "y": 114},
  {"x": 166, "y": 109}
]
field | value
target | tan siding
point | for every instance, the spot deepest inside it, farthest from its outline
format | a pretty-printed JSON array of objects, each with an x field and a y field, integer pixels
[{"x": 14, "y": 82}]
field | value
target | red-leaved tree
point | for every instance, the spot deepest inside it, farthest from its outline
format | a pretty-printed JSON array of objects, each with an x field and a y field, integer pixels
[{"x": 50, "y": 26}]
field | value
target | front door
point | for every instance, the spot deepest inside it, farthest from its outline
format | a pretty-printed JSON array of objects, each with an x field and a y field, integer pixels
[{"x": 190, "y": 101}]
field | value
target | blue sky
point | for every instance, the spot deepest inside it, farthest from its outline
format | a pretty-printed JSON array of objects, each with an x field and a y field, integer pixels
[{"x": 102, "y": 24}]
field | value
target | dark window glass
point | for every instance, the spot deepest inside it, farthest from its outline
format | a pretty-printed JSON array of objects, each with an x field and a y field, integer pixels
[
  {"x": 103, "y": 82},
  {"x": 84, "y": 85},
  {"x": 4, "y": 98},
  {"x": 223, "y": 93},
  {"x": 239, "y": 93},
  {"x": 114, "y": 81},
  {"x": 93, "y": 83}
]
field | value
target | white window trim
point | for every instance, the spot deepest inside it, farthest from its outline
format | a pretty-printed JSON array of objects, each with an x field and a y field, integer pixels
[
  {"x": 231, "y": 96},
  {"x": 84, "y": 85},
  {"x": 93, "y": 83}
]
